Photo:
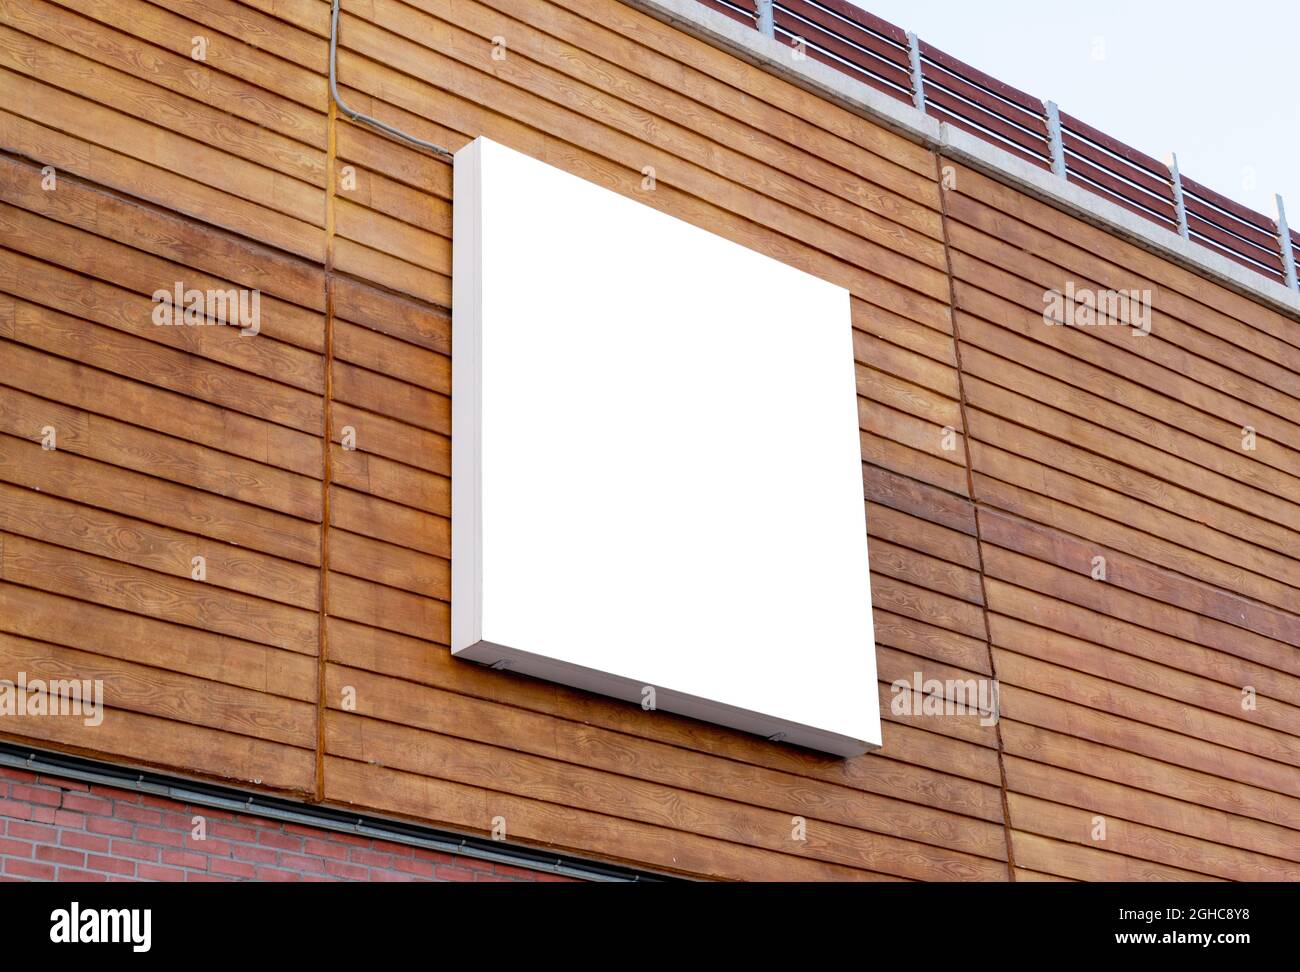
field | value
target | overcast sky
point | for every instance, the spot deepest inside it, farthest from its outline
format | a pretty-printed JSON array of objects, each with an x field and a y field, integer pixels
[{"x": 1218, "y": 83}]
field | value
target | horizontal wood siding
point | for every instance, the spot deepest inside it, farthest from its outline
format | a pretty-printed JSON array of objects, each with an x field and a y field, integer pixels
[
  {"x": 999, "y": 455},
  {"x": 1123, "y": 696}
]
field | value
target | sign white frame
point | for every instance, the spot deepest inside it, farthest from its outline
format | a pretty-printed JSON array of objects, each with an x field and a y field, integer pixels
[{"x": 656, "y": 465}]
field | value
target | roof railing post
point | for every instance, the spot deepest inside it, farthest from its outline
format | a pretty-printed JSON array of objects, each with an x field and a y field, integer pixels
[
  {"x": 918, "y": 79},
  {"x": 1180, "y": 204},
  {"x": 766, "y": 19},
  {"x": 1054, "y": 138},
  {"x": 1288, "y": 251}
]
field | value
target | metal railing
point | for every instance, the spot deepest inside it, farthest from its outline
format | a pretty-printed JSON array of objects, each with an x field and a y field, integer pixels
[{"x": 875, "y": 52}]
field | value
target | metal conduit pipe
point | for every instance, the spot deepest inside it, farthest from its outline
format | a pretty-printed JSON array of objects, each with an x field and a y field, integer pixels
[{"x": 357, "y": 116}]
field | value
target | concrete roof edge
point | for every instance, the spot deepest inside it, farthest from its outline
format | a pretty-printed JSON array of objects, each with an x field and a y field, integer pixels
[{"x": 770, "y": 54}]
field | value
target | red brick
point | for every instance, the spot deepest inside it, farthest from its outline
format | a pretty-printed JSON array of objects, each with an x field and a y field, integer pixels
[
  {"x": 15, "y": 848},
  {"x": 64, "y": 784},
  {"x": 36, "y": 832},
  {"x": 185, "y": 859},
  {"x": 16, "y": 774},
  {"x": 74, "y": 838},
  {"x": 348, "y": 872},
  {"x": 370, "y": 858},
  {"x": 103, "y": 825},
  {"x": 297, "y": 862},
  {"x": 152, "y": 872},
  {"x": 220, "y": 865},
  {"x": 250, "y": 852},
  {"x": 275, "y": 874},
  {"x": 152, "y": 835},
  {"x": 279, "y": 840},
  {"x": 113, "y": 793},
  {"x": 65, "y": 818},
  {"x": 72, "y": 874},
  {"x": 180, "y": 821},
  {"x": 139, "y": 852},
  {"x": 139, "y": 814},
  {"x": 397, "y": 850},
  {"x": 112, "y": 865},
  {"x": 220, "y": 829},
  {"x": 194, "y": 876},
  {"x": 211, "y": 847},
  {"x": 31, "y": 869},
  {"x": 59, "y": 855},
  {"x": 378, "y": 874},
  {"x": 11, "y": 808},
  {"x": 422, "y": 868},
  {"x": 42, "y": 814},
  {"x": 453, "y": 874},
  {"x": 323, "y": 848},
  {"x": 45, "y": 796},
  {"x": 97, "y": 806},
  {"x": 518, "y": 873}
]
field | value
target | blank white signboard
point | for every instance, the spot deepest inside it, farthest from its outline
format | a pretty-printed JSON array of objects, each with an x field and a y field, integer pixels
[{"x": 656, "y": 470}]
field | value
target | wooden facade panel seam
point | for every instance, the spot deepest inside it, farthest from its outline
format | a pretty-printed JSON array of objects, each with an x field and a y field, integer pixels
[{"x": 311, "y": 463}]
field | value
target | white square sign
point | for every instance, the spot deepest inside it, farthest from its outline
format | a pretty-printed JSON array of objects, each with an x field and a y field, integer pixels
[{"x": 656, "y": 470}]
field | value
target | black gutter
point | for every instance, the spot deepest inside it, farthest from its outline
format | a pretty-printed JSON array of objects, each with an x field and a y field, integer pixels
[{"x": 238, "y": 800}]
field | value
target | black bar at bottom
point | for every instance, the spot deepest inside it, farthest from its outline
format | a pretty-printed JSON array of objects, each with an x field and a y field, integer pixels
[{"x": 668, "y": 923}]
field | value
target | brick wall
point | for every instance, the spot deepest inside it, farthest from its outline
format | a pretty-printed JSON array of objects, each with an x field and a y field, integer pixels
[{"x": 58, "y": 829}]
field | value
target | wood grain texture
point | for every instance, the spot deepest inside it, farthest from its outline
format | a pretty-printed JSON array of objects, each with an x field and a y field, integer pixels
[
  {"x": 1138, "y": 561},
  {"x": 1001, "y": 457}
]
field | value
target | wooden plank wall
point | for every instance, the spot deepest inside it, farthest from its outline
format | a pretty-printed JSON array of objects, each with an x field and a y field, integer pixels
[
  {"x": 312, "y": 660},
  {"x": 1123, "y": 698}
]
